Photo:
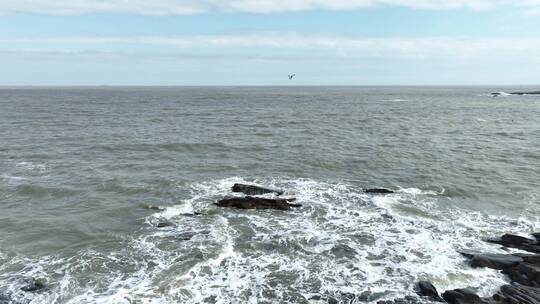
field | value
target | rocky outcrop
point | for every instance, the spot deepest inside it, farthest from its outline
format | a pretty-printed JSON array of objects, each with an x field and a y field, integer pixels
[
  {"x": 33, "y": 285},
  {"x": 522, "y": 269},
  {"x": 254, "y": 190},
  {"x": 426, "y": 289},
  {"x": 250, "y": 202},
  {"x": 519, "y": 242}
]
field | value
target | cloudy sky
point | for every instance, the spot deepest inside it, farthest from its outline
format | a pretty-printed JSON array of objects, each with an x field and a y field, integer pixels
[{"x": 259, "y": 42}]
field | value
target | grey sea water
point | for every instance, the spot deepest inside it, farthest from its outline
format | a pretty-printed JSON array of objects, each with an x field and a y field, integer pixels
[{"x": 78, "y": 166}]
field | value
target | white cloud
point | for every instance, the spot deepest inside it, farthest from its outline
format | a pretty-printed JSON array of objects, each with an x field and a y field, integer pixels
[
  {"x": 431, "y": 47},
  {"x": 180, "y": 7}
]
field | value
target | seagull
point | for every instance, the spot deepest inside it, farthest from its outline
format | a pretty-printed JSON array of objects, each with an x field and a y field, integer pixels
[{"x": 291, "y": 76}]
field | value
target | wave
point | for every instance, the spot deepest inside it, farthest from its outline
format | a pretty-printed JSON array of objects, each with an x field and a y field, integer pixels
[{"x": 341, "y": 242}]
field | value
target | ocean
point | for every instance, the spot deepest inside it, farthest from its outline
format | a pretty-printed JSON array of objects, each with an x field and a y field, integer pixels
[{"x": 80, "y": 168}]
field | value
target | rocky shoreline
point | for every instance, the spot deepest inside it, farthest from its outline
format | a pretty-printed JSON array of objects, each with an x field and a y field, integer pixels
[{"x": 523, "y": 270}]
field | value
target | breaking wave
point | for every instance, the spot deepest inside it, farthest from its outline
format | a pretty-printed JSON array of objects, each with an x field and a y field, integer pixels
[{"x": 343, "y": 243}]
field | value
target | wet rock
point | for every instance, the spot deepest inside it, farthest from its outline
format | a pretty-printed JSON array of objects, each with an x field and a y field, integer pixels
[
  {"x": 186, "y": 236},
  {"x": 405, "y": 300},
  {"x": 525, "y": 274},
  {"x": 250, "y": 202},
  {"x": 516, "y": 293},
  {"x": 426, "y": 289},
  {"x": 164, "y": 224},
  {"x": 192, "y": 214},
  {"x": 462, "y": 296},
  {"x": 516, "y": 93},
  {"x": 519, "y": 242},
  {"x": 378, "y": 191},
  {"x": 494, "y": 261},
  {"x": 33, "y": 285},
  {"x": 254, "y": 190}
]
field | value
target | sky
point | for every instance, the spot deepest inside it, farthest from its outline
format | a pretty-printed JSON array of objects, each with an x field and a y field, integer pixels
[{"x": 260, "y": 42}]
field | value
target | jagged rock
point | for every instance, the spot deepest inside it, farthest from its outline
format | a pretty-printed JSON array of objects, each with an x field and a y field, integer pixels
[
  {"x": 426, "y": 289},
  {"x": 33, "y": 285},
  {"x": 462, "y": 296},
  {"x": 519, "y": 242},
  {"x": 525, "y": 274},
  {"x": 254, "y": 190},
  {"x": 516, "y": 293},
  {"x": 494, "y": 261},
  {"x": 250, "y": 202},
  {"x": 378, "y": 191}
]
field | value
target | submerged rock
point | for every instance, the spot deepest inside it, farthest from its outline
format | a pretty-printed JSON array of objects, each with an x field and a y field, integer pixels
[
  {"x": 250, "y": 202},
  {"x": 426, "y": 289},
  {"x": 405, "y": 300},
  {"x": 164, "y": 224},
  {"x": 33, "y": 285},
  {"x": 153, "y": 207},
  {"x": 378, "y": 191},
  {"x": 254, "y": 190}
]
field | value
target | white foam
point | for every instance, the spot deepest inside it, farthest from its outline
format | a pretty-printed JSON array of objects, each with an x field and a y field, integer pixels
[{"x": 341, "y": 241}]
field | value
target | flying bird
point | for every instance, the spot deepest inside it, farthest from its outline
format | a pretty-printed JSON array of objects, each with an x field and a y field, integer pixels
[{"x": 291, "y": 76}]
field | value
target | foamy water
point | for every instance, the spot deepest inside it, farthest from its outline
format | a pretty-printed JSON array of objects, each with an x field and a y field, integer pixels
[{"x": 79, "y": 167}]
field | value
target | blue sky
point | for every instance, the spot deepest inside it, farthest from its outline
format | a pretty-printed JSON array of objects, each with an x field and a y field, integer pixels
[{"x": 259, "y": 42}]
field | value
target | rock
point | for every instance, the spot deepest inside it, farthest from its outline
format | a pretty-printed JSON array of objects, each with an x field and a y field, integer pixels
[
  {"x": 378, "y": 191},
  {"x": 250, "y": 202},
  {"x": 254, "y": 190},
  {"x": 494, "y": 261},
  {"x": 33, "y": 285},
  {"x": 519, "y": 242},
  {"x": 186, "y": 236},
  {"x": 516, "y": 293},
  {"x": 525, "y": 274},
  {"x": 462, "y": 296},
  {"x": 164, "y": 224},
  {"x": 426, "y": 289},
  {"x": 516, "y": 93},
  {"x": 191, "y": 214},
  {"x": 405, "y": 300}
]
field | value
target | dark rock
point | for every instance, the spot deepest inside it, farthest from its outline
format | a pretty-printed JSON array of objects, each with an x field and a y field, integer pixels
[
  {"x": 519, "y": 242},
  {"x": 164, "y": 224},
  {"x": 525, "y": 274},
  {"x": 33, "y": 285},
  {"x": 378, "y": 191},
  {"x": 494, "y": 261},
  {"x": 186, "y": 236},
  {"x": 426, "y": 289},
  {"x": 516, "y": 293},
  {"x": 254, "y": 190},
  {"x": 530, "y": 258},
  {"x": 516, "y": 93},
  {"x": 249, "y": 202},
  {"x": 462, "y": 296},
  {"x": 405, "y": 300},
  {"x": 191, "y": 214}
]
